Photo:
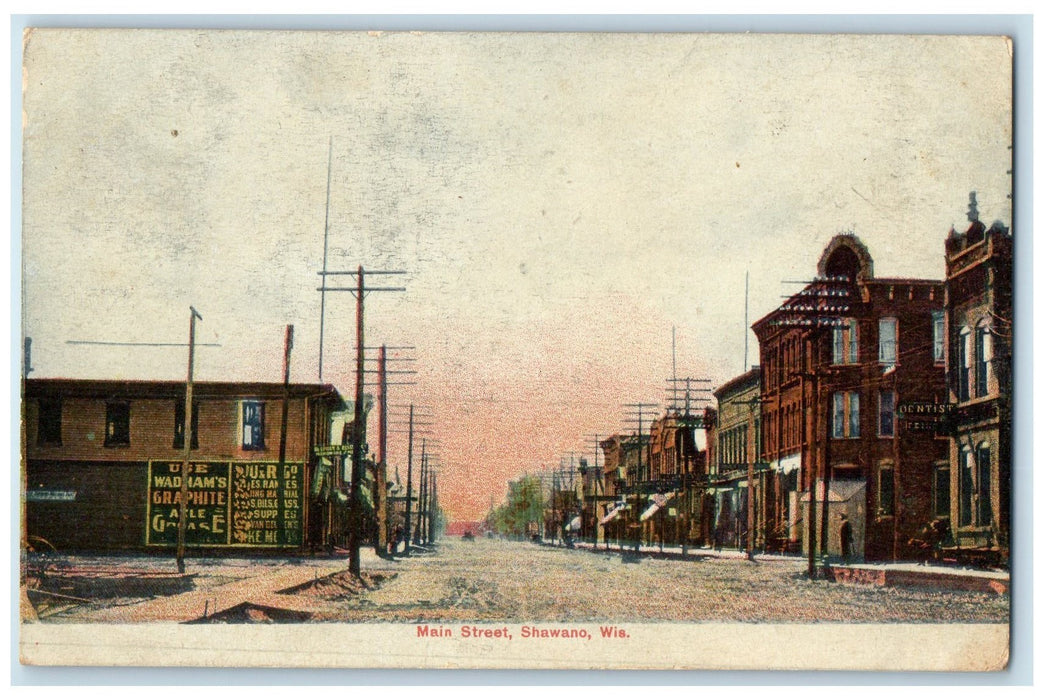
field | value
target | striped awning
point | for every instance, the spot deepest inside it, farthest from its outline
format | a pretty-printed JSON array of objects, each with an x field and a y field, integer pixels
[
  {"x": 613, "y": 513},
  {"x": 659, "y": 500}
]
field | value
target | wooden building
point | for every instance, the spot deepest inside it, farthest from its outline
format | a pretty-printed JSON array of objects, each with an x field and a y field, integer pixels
[{"x": 103, "y": 459}]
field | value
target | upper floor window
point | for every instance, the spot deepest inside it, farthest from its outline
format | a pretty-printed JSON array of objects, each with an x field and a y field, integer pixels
[
  {"x": 117, "y": 423},
  {"x": 49, "y": 421},
  {"x": 964, "y": 356},
  {"x": 938, "y": 336},
  {"x": 845, "y": 421},
  {"x": 886, "y": 413},
  {"x": 253, "y": 419},
  {"x": 846, "y": 343},
  {"x": 886, "y": 341},
  {"x": 983, "y": 355},
  {"x": 179, "y": 424}
]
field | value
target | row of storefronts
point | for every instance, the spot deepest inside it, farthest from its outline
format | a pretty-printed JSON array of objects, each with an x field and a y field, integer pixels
[{"x": 880, "y": 401}]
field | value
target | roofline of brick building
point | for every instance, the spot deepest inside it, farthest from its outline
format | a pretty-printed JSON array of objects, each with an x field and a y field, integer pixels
[
  {"x": 164, "y": 389},
  {"x": 751, "y": 376}
]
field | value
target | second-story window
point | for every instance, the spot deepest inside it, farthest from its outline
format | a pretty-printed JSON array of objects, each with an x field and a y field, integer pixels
[
  {"x": 886, "y": 342},
  {"x": 846, "y": 343},
  {"x": 253, "y": 415},
  {"x": 938, "y": 336},
  {"x": 179, "y": 424},
  {"x": 49, "y": 421},
  {"x": 117, "y": 424},
  {"x": 845, "y": 423}
]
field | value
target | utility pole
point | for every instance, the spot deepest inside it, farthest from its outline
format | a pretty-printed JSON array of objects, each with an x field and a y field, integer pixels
[
  {"x": 187, "y": 432},
  {"x": 288, "y": 344},
  {"x": 641, "y": 409},
  {"x": 422, "y": 505},
  {"x": 409, "y": 486},
  {"x": 380, "y": 493},
  {"x": 820, "y": 306},
  {"x": 412, "y": 430},
  {"x": 359, "y": 423},
  {"x": 326, "y": 238}
]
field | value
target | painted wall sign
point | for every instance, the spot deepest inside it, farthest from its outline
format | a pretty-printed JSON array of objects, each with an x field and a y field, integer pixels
[
  {"x": 252, "y": 504},
  {"x": 332, "y": 450},
  {"x": 49, "y": 495}
]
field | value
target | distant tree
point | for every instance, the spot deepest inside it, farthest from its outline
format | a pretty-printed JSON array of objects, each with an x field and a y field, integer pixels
[{"x": 525, "y": 505}]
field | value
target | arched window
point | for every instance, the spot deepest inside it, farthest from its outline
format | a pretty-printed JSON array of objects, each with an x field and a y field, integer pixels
[
  {"x": 967, "y": 486},
  {"x": 983, "y": 355},
  {"x": 964, "y": 356}
]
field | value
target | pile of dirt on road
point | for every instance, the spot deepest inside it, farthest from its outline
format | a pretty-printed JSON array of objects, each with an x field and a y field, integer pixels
[
  {"x": 339, "y": 586},
  {"x": 251, "y": 613}
]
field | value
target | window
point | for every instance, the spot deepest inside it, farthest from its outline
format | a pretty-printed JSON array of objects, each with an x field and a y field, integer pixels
[
  {"x": 886, "y": 414},
  {"x": 964, "y": 514},
  {"x": 963, "y": 364},
  {"x": 179, "y": 424},
  {"x": 846, "y": 343},
  {"x": 845, "y": 421},
  {"x": 49, "y": 421},
  {"x": 886, "y": 341},
  {"x": 253, "y": 425},
  {"x": 117, "y": 424},
  {"x": 938, "y": 334},
  {"x": 941, "y": 492},
  {"x": 983, "y": 351},
  {"x": 983, "y": 507},
  {"x": 886, "y": 490}
]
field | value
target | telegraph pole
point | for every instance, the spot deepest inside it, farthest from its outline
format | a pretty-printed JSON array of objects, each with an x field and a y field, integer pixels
[
  {"x": 359, "y": 423},
  {"x": 326, "y": 238},
  {"x": 288, "y": 344},
  {"x": 641, "y": 410},
  {"x": 380, "y": 493},
  {"x": 187, "y": 433}
]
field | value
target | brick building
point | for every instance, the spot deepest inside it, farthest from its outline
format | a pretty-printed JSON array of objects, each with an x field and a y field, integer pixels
[
  {"x": 979, "y": 331},
  {"x": 736, "y": 435},
  {"x": 103, "y": 459},
  {"x": 674, "y": 486},
  {"x": 848, "y": 366}
]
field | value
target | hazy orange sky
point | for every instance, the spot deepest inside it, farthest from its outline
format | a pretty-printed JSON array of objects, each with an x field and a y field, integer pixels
[{"x": 559, "y": 202}]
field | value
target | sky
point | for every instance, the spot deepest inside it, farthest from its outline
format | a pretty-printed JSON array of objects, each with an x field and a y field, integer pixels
[{"x": 561, "y": 204}]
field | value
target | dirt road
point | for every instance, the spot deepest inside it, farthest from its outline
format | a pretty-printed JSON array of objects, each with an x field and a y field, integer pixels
[{"x": 499, "y": 581}]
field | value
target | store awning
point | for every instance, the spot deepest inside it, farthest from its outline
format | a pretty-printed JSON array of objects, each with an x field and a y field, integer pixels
[
  {"x": 659, "y": 500},
  {"x": 613, "y": 513},
  {"x": 573, "y": 525}
]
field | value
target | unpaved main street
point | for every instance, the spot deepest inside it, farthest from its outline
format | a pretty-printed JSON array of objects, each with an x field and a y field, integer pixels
[{"x": 499, "y": 581}]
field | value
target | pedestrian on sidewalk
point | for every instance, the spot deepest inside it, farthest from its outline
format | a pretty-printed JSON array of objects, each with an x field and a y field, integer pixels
[{"x": 846, "y": 538}]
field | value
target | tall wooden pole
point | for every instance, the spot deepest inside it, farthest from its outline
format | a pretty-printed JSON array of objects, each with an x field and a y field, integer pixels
[
  {"x": 187, "y": 434},
  {"x": 288, "y": 344},
  {"x": 358, "y": 433},
  {"x": 380, "y": 500},
  {"x": 409, "y": 487}
]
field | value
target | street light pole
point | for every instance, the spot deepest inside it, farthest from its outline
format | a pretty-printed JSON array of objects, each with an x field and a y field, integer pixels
[{"x": 187, "y": 435}]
